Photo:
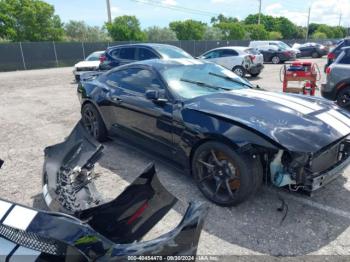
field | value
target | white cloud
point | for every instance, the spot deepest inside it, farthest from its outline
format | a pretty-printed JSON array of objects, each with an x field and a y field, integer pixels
[
  {"x": 169, "y": 2},
  {"x": 322, "y": 11}
]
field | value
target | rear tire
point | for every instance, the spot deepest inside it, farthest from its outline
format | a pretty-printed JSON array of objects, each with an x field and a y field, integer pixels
[
  {"x": 93, "y": 122},
  {"x": 343, "y": 98},
  {"x": 239, "y": 70},
  {"x": 224, "y": 176},
  {"x": 276, "y": 60},
  {"x": 315, "y": 55}
]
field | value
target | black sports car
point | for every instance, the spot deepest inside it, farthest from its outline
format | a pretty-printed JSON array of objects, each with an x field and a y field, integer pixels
[
  {"x": 82, "y": 226},
  {"x": 225, "y": 132}
]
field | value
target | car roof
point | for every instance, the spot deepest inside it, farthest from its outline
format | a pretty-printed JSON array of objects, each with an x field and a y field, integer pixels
[
  {"x": 161, "y": 63},
  {"x": 232, "y": 47},
  {"x": 151, "y": 45}
]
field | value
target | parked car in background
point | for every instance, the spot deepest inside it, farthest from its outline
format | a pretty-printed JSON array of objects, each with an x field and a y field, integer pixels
[
  {"x": 91, "y": 63},
  {"x": 219, "y": 127},
  {"x": 125, "y": 54},
  {"x": 334, "y": 53},
  {"x": 337, "y": 86},
  {"x": 241, "y": 60},
  {"x": 314, "y": 50},
  {"x": 275, "y": 51}
]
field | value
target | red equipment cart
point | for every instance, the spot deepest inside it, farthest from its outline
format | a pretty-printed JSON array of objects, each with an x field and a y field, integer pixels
[{"x": 306, "y": 73}]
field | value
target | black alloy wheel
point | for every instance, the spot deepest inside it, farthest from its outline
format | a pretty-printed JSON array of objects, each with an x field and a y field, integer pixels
[
  {"x": 223, "y": 176},
  {"x": 93, "y": 123},
  {"x": 343, "y": 98}
]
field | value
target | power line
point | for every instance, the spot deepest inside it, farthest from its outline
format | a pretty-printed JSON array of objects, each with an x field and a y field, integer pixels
[{"x": 176, "y": 8}]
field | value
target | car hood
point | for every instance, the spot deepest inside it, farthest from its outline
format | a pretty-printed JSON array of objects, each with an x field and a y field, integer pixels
[
  {"x": 298, "y": 123},
  {"x": 87, "y": 64}
]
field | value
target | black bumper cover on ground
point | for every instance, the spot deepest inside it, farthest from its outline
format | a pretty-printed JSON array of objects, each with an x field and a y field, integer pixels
[{"x": 85, "y": 227}]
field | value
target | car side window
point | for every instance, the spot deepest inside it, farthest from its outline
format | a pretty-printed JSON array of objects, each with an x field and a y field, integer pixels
[
  {"x": 228, "y": 52},
  {"x": 134, "y": 80},
  {"x": 127, "y": 53},
  {"x": 145, "y": 54},
  {"x": 115, "y": 53},
  {"x": 212, "y": 54},
  {"x": 345, "y": 59}
]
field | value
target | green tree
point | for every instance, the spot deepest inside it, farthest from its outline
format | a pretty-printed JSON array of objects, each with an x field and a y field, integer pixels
[
  {"x": 313, "y": 28},
  {"x": 29, "y": 20},
  {"x": 266, "y": 20},
  {"x": 157, "y": 34},
  {"x": 327, "y": 30},
  {"x": 223, "y": 19},
  {"x": 212, "y": 33},
  {"x": 231, "y": 31},
  {"x": 319, "y": 35},
  {"x": 339, "y": 32},
  {"x": 273, "y": 35},
  {"x": 256, "y": 32},
  {"x": 125, "y": 28},
  {"x": 188, "y": 29},
  {"x": 80, "y": 31},
  {"x": 280, "y": 24}
]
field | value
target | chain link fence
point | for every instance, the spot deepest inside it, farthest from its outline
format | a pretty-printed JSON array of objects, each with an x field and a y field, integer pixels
[{"x": 35, "y": 55}]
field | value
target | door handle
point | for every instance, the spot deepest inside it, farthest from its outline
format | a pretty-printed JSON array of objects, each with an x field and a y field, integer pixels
[{"x": 116, "y": 99}]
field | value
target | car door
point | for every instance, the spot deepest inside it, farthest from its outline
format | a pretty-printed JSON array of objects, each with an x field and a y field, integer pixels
[
  {"x": 304, "y": 50},
  {"x": 127, "y": 55},
  {"x": 224, "y": 57},
  {"x": 145, "y": 54},
  {"x": 135, "y": 116}
]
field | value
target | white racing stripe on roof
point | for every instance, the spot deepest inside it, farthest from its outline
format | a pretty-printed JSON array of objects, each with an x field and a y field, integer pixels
[
  {"x": 20, "y": 217},
  {"x": 292, "y": 105},
  {"x": 340, "y": 116},
  {"x": 4, "y": 207},
  {"x": 333, "y": 122}
]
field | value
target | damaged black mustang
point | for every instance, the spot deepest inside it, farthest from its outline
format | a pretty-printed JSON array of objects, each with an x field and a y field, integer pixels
[
  {"x": 228, "y": 134},
  {"x": 82, "y": 226}
]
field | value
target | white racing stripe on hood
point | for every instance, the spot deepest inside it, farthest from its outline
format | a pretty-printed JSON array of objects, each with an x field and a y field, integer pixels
[
  {"x": 278, "y": 100},
  {"x": 336, "y": 124},
  {"x": 20, "y": 217},
  {"x": 4, "y": 207},
  {"x": 340, "y": 116},
  {"x": 297, "y": 100}
]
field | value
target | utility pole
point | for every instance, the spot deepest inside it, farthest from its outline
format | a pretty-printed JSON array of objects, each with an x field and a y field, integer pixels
[
  {"x": 109, "y": 11},
  {"x": 259, "y": 12},
  {"x": 308, "y": 23},
  {"x": 340, "y": 18}
]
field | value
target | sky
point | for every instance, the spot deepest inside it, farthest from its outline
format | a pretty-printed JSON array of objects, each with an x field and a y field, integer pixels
[{"x": 161, "y": 12}]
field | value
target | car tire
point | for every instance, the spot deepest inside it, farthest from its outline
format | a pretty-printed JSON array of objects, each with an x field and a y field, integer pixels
[
  {"x": 276, "y": 60},
  {"x": 93, "y": 122},
  {"x": 343, "y": 98},
  {"x": 241, "y": 174},
  {"x": 315, "y": 55},
  {"x": 255, "y": 75},
  {"x": 239, "y": 70}
]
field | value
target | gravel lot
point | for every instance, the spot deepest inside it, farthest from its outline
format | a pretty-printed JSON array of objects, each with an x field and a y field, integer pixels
[{"x": 39, "y": 108}]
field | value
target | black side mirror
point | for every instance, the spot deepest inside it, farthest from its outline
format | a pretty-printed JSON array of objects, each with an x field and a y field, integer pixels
[{"x": 155, "y": 96}]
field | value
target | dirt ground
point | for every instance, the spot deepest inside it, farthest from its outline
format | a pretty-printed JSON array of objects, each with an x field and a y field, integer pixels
[{"x": 40, "y": 107}]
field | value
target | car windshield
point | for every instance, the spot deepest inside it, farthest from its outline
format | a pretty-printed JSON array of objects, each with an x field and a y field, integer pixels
[
  {"x": 94, "y": 56},
  {"x": 171, "y": 52},
  {"x": 193, "y": 80}
]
